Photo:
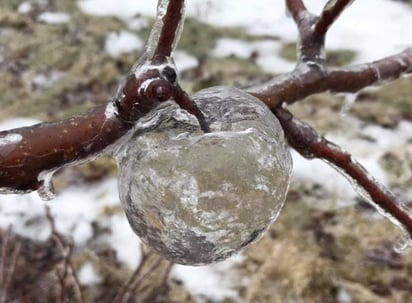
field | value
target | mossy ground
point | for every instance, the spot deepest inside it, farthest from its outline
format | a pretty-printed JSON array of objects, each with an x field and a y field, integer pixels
[{"x": 314, "y": 253}]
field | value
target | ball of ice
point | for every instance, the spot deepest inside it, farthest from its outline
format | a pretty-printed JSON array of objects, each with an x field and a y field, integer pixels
[{"x": 197, "y": 198}]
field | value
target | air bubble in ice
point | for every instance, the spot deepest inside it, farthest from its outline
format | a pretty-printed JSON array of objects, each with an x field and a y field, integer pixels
[{"x": 197, "y": 198}]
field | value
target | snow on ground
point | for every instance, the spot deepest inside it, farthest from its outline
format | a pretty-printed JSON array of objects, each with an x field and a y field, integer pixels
[
  {"x": 122, "y": 42},
  {"x": 54, "y": 17},
  {"x": 268, "y": 59},
  {"x": 210, "y": 281}
]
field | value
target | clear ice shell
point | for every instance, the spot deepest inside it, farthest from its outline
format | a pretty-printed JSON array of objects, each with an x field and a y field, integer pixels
[
  {"x": 405, "y": 241},
  {"x": 197, "y": 198}
]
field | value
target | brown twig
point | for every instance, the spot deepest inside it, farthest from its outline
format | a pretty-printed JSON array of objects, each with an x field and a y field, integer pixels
[
  {"x": 297, "y": 9},
  {"x": 306, "y": 140},
  {"x": 169, "y": 33},
  {"x": 330, "y": 14},
  {"x": 9, "y": 254},
  {"x": 124, "y": 292},
  {"x": 26, "y": 153},
  {"x": 303, "y": 82},
  {"x": 66, "y": 247},
  {"x": 311, "y": 76}
]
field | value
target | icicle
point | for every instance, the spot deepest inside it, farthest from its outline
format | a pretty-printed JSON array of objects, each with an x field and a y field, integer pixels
[
  {"x": 46, "y": 190},
  {"x": 347, "y": 105}
]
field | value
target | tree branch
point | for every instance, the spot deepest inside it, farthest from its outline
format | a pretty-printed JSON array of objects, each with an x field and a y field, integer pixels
[
  {"x": 330, "y": 14},
  {"x": 306, "y": 140},
  {"x": 302, "y": 82},
  {"x": 297, "y": 9},
  {"x": 26, "y": 153},
  {"x": 170, "y": 34}
]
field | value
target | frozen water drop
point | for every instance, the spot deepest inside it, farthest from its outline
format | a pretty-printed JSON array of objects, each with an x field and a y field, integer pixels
[
  {"x": 46, "y": 190},
  {"x": 197, "y": 198},
  {"x": 348, "y": 104},
  {"x": 403, "y": 243}
]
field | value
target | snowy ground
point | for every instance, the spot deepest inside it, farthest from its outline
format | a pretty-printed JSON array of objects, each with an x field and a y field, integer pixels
[{"x": 358, "y": 29}]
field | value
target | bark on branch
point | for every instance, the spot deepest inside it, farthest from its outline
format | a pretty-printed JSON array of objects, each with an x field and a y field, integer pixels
[{"x": 29, "y": 152}]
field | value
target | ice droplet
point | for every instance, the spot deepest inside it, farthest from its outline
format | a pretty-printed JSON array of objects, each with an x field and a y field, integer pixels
[
  {"x": 46, "y": 190},
  {"x": 348, "y": 103},
  {"x": 403, "y": 243},
  {"x": 196, "y": 198}
]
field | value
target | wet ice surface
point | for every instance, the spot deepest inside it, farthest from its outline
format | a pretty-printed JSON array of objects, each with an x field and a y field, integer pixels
[{"x": 197, "y": 198}]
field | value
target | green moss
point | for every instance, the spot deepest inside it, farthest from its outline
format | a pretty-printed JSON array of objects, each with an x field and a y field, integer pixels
[
  {"x": 397, "y": 94},
  {"x": 199, "y": 38},
  {"x": 387, "y": 105}
]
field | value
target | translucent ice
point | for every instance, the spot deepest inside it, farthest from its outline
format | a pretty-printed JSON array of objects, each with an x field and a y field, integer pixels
[
  {"x": 46, "y": 190},
  {"x": 158, "y": 26},
  {"x": 197, "y": 198}
]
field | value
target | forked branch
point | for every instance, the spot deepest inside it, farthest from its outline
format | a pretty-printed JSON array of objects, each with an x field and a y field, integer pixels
[
  {"x": 26, "y": 154},
  {"x": 306, "y": 140},
  {"x": 312, "y": 75}
]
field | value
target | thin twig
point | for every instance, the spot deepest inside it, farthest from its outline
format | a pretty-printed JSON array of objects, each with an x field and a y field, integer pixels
[
  {"x": 306, "y": 140},
  {"x": 66, "y": 247},
  {"x": 173, "y": 18},
  {"x": 301, "y": 83},
  {"x": 145, "y": 275},
  {"x": 297, "y": 9},
  {"x": 7, "y": 270},
  {"x": 330, "y": 14},
  {"x": 120, "y": 297}
]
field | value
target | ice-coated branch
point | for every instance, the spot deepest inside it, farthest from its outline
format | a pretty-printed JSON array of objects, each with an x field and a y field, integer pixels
[
  {"x": 312, "y": 79},
  {"x": 297, "y": 9},
  {"x": 169, "y": 35},
  {"x": 330, "y": 14},
  {"x": 306, "y": 140},
  {"x": 28, "y": 153},
  {"x": 312, "y": 75}
]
